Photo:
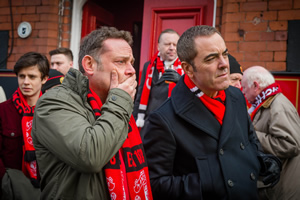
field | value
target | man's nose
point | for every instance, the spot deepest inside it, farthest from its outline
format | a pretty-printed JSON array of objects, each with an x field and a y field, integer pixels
[{"x": 129, "y": 69}]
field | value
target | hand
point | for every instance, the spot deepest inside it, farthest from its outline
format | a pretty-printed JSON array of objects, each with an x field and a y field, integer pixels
[
  {"x": 271, "y": 167},
  {"x": 129, "y": 85},
  {"x": 171, "y": 75}
]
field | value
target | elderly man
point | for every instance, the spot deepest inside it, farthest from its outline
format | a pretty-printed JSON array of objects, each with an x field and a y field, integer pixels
[
  {"x": 200, "y": 144},
  {"x": 277, "y": 125},
  {"x": 87, "y": 143}
]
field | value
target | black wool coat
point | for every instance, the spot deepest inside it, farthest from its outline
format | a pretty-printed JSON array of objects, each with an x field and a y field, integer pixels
[{"x": 191, "y": 156}]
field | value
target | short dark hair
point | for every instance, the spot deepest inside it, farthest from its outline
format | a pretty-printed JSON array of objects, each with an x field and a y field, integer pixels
[
  {"x": 31, "y": 59},
  {"x": 67, "y": 52},
  {"x": 92, "y": 44},
  {"x": 167, "y": 31},
  {"x": 186, "y": 49}
]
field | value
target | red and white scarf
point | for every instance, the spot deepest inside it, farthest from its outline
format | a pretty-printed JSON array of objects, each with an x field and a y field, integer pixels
[
  {"x": 216, "y": 105},
  {"x": 157, "y": 63},
  {"x": 29, "y": 165},
  {"x": 126, "y": 173},
  {"x": 269, "y": 91}
]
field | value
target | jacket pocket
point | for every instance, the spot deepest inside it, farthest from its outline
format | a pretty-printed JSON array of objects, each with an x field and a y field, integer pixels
[{"x": 205, "y": 174}]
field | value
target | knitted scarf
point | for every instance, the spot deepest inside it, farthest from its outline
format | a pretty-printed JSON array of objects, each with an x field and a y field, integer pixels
[
  {"x": 269, "y": 91},
  {"x": 29, "y": 165},
  {"x": 157, "y": 63},
  {"x": 216, "y": 105},
  {"x": 127, "y": 171}
]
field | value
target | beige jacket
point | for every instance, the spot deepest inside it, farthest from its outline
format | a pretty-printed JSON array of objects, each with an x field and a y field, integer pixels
[{"x": 277, "y": 125}]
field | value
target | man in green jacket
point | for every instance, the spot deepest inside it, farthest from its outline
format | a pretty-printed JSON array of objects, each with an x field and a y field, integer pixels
[{"x": 87, "y": 143}]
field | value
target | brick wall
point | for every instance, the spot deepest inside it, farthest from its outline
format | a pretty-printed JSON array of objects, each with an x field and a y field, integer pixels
[
  {"x": 255, "y": 31},
  {"x": 45, "y": 16}
]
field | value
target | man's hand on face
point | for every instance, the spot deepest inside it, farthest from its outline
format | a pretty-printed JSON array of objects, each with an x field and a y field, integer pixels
[{"x": 129, "y": 85}]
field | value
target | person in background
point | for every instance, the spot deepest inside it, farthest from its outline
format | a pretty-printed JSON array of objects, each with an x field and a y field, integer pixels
[
  {"x": 277, "y": 126},
  {"x": 55, "y": 79},
  {"x": 2, "y": 95},
  {"x": 200, "y": 143},
  {"x": 236, "y": 72},
  {"x": 159, "y": 77},
  {"x": 61, "y": 59},
  {"x": 87, "y": 143},
  {"x": 17, "y": 154}
]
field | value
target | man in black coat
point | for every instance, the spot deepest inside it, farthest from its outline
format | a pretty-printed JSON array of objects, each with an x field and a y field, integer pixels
[
  {"x": 159, "y": 77},
  {"x": 200, "y": 144}
]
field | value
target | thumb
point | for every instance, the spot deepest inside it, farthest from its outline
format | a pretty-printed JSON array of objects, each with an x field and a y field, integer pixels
[{"x": 114, "y": 81}]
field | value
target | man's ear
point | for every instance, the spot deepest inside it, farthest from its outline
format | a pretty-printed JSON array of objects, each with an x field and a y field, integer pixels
[
  {"x": 88, "y": 64},
  {"x": 188, "y": 69},
  {"x": 44, "y": 80}
]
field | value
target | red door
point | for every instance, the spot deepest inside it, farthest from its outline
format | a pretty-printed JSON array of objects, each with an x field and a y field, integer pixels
[
  {"x": 177, "y": 15},
  {"x": 94, "y": 17}
]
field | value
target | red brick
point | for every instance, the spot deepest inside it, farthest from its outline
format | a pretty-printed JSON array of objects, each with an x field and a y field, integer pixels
[
  {"x": 248, "y": 64},
  {"x": 45, "y": 49},
  {"x": 47, "y": 9},
  {"x": 4, "y": 18},
  {"x": 49, "y": 17},
  {"x": 254, "y": 6},
  {"x": 11, "y": 58},
  {"x": 66, "y": 20},
  {"x": 230, "y": 27},
  {"x": 278, "y": 25},
  {"x": 50, "y": 2},
  {"x": 280, "y": 56},
  {"x": 266, "y": 56},
  {"x": 252, "y": 46},
  {"x": 17, "y": 2},
  {"x": 32, "y": 2},
  {"x": 24, "y": 42},
  {"x": 31, "y": 18},
  {"x": 30, "y": 9},
  {"x": 262, "y": 26},
  {"x": 10, "y": 65},
  {"x": 17, "y": 18},
  {"x": 67, "y": 3},
  {"x": 67, "y": 12},
  {"x": 276, "y": 46},
  {"x": 252, "y": 36},
  {"x": 65, "y": 44},
  {"x": 239, "y": 56},
  {"x": 267, "y": 36},
  {"x": 5, "y": 26},
  {"x": 270, "y": 15},
  {"x": 4, "y": 11},
  {"x": 232, "y": 46},
  {"x": 18, "y": 10},
  {"x": 288, "y": 15},
  {"x": 46, "y": 25},
  {"x": 281, "y": 35},
  {"x": 65, "y": 35},
  {"x": 66, "y": 27},
  {"x": 231, "y": 7},
  {"x": 296, "y": 4},
  {"x": 251, "y": 56},
  {"x": 233, "y": 17},
  {"x": 280, "y": 5},
  {"x": 276, "y": 66},
  {"x": 251, "y": 15},
  {"x": 48, "y": 33},
  {"x": 22, "y": 50},
  {"x": 4, "y": 3}
]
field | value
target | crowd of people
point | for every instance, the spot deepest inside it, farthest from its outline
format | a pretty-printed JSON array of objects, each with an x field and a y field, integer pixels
[{"x": 196, "y": 127}]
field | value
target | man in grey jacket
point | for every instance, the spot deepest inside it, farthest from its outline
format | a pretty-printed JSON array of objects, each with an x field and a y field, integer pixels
[{"x": 85, "y": 137}]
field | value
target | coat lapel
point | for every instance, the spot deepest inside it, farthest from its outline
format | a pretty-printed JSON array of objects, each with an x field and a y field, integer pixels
[{"x": 191, "y": 109}]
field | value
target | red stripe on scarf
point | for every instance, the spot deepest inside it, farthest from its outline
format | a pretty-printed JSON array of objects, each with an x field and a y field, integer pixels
[
  {"x": 269, "y": 91},
  {"x": 29, "y": 166},
  {"x": 157, "y": 63},
  {"x": 215, "y": 106},
  {"x": 127, "y": 171}
]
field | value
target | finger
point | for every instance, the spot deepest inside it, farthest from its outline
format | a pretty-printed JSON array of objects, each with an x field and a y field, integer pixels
[{"x": 114, "y": 82}]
